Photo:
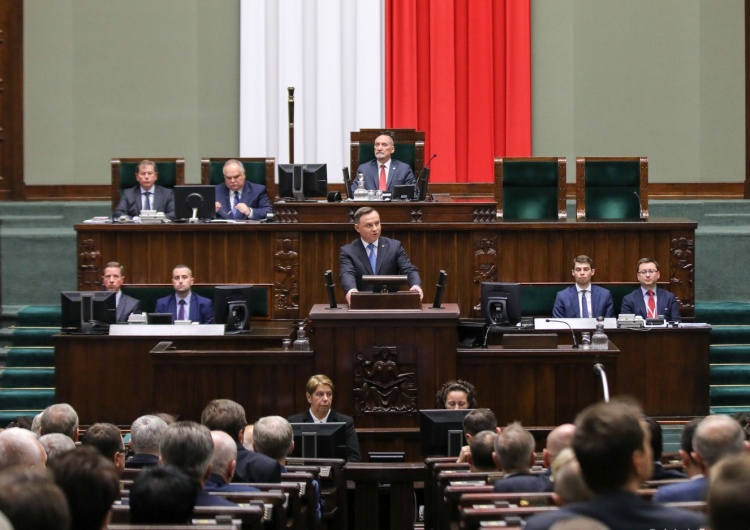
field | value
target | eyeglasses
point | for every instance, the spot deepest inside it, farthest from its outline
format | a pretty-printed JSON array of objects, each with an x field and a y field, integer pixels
[{"x": 649, "y": 271}]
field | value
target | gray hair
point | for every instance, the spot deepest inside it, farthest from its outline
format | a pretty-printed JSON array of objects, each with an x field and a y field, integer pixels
[
  {"x": 145, "y": 434},
  {"x": 20, "y": 447},
  {"x": 514, "y": 447},
  {"x": 56, "y": 444},
  {"x": 189, "y": 446},
  {"x": 273, "y": 437},
  {"x": 716, "y": 437},
  {"x": 60, "y": 417}
]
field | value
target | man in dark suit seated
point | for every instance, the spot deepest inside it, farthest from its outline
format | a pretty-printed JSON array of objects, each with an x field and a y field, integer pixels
[
  {"x": 384, "y": 172},
  {"x": 223, "y": 464},
  {"x": 373, "y": 254},
  {"x": 147, "y": 195},
  {"x": 648, "y": 300},
  {"x": 583, "y": 300},
  {"x": 229, "y": 416},
  {"x": 239, "y": 199},
  {"x": 183, "y": 304},
  {"x": 113, "y": 279},
  {"x": 613, "y": 449},
  {"x": 319, "y": 393},
  {"x": 145, "y": 436},
  {"x": 514, "y": 454},
  {"x": 162, "y": 495}
]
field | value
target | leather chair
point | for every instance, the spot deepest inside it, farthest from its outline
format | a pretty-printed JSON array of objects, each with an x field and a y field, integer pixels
[
  {"x": 170, "y": 173},
  {"x": 409, "y": 145},
  {"x": 530, "y": 189},
  {"x": 257, "y": 170},
  {"x": 612, "y": 188}
]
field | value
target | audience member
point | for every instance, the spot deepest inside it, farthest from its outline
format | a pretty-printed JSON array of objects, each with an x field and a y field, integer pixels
[
  {"x": 145, "y": 437},
  {"x": 107, "y": 439},
  {"x": 273, "y": 436},
  {"x": 384, "y": 173},
  {"x": 689, "y": 463},
  {"x": 657, "y": 447},
  {"x": 56, "y": 444},
  {"x": 458, "y": 394},
  {"x": 90, "y": 483},
  {"x": 31, "y": 500},
  {"x": 715, "y": 438},
  {"x": 649, "y": 301},
  {"x": 223, "y": 464},
  {"x": 239, "y": 199},
  {"x": 567, "y": 480},
  {"x": 729, "y": 493},
  {"x": 319, "y": 393},
  {"x": 481, "y": 448},
  {"x": 162, "y": 495},
  {"x": 229, "y": 416},
  {"x": 373, "y": 254},
  {"x": 514, "y": 454},
  {"x": 36, "y": 424},
  {"x": 62, "y": 418},
  {"x": 583, "y": 300},
  {"x": 20, "y": 447},
  {"x": 558, "y": 439},
  {"x": 146, "y": 195},
  {"x": 113, "y": 279},
  {"x": 476, "y": 421},
  {"x": 247, "y": 437},
  {"x": 184, "y": 304},
  {"x": 614, "y": 452}
]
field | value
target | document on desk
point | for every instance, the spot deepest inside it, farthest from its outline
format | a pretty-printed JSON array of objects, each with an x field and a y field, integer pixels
[{"x": 575, "y": 323}]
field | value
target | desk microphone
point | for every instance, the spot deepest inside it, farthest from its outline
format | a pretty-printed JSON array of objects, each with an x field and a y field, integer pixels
[
  {"x": 640, "y": 209},
  {"x": 572, "y": 333},
  {"x": 434, "y": 155}
]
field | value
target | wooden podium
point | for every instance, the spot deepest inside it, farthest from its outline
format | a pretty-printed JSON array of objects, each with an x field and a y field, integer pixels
[{"x": 400, "y": 301}]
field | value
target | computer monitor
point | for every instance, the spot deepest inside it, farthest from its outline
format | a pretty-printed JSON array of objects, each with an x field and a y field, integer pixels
[
  {"x": 501, "y": 303},
  {"x": 232, "y": 307},
  {"x": 422, "y": 182},
  {"x": 299, "y": 182},
  {"x": 161, "y": 319},
  {"x": 319, "y": 440},
  {"x": 378, "y": 283},
  {"x": 195, "y": 201},
  {"x": 88, "y": 311},
  {"x": 441, "y": 431}
]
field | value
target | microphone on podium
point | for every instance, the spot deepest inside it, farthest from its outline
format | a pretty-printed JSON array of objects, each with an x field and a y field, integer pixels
[{"x": 572, "y": 333}]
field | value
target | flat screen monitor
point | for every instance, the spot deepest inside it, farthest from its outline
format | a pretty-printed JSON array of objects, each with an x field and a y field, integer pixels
[
  {"x": 380, "y": 283},
  {"x": 403, "y": 192},
  {"x": 232, "y": 305},
  {"x": 441, "y": 431},
  {"x": 195, "y": 201},
  {"x": 422, "y": 182},
  {"x": 319, "y": 440},
  {"x": 162, "y": 319},
  {"x": 501, "y": 303},
  {"x": 299, "y": 182},
  {"x": 88, "y": 311},
  {"x": 347, "y": 183}
]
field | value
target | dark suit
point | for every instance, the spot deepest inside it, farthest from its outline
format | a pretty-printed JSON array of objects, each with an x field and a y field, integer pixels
[
  {"x": 126, "y": 306},
  {"x": 392, "y": 259},
  {"x": 690, "y": 490},
  {"x": 666, "y": 304},
  {"x": 254, "y": 195},
  {"x": 216, "y": 483},
  {"x": 666, "y": 474},
  {"x": 204, "y": 498},
  {"x": 201, "y": 309},
  {"x": 141, "y": 460},
  {"x": 162, "y": 200},
  {"x": 622, "y": 511},
  {"x": 399, "y": 173},
  {"x": 255, "y": 467},
  {"x": 567, "y": 306},
  {"x": 523, "y": 483},
  {"x": 352, "y": 443}
]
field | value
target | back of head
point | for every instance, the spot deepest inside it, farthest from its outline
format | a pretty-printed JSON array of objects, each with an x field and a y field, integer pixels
[
  {"x": 188, "y": 446},
  {"x": 481, "y": 446},
  {"x": 479, "y": 420},
  {"x": 61, "y": 418},
  {"x": 145, "y": 434},
  {"x": 162, "y": 495},
  {"x": 514, "y": 447},
  {"x": 56, "y": 444},
  {"x": 717, "y": 436},
  {"x": 558, "y": 439},
  {"x": 20, "y": 447},
  {"x": 729, "y": 493},
  {"x": 567, "y": 478},
  {"x": 607, "y": 435},
  {"x": 224, "y": 415},
  {"x": 91, "y": 484},
  {"x": 657, "y": 445},
  {"x": 273, "y": 437},
  {"x": 32, "y": 501},
  {"x": 225, "y": 452},
  {"x": 105, "y": 438}
]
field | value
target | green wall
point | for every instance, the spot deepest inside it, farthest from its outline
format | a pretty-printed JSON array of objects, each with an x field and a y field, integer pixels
[{"x": 160, "y": 78}]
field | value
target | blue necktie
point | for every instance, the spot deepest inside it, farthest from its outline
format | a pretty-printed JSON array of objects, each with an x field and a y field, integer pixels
[
  {"x": 584, "y": 305},
  {"x": 181, "y": 311},
  {"x": 373, "y": 257},
  {"x": 148, "y": 200}
]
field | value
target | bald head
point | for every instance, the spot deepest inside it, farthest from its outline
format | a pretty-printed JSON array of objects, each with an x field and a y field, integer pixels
[
  {"x": 717, "y": 436},
  {"x": 558, "y": 439},
  {"x": 62, "y": 418},
  {"x": 224, "y": 458},
  {"x": 20, "y": 447}
]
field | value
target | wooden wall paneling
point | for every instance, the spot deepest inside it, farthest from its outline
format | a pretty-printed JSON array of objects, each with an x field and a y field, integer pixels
[{"x": 11, "y": 100}]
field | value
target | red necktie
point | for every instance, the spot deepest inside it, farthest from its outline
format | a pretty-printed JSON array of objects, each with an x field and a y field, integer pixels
[
  {"x": 382, "y": 184},
  {"x": 651, "y": 305}
]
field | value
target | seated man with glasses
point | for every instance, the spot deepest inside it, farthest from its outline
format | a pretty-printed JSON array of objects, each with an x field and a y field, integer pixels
[
  {"x": 237, "y": 199},
  {"x": 649, "y": 301}
]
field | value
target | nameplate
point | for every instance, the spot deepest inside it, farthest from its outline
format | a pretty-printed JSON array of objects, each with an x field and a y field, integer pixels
[{"x": 166, "y": 330}]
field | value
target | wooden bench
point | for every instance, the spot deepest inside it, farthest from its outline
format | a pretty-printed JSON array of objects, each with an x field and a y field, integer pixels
[
  {"x": 475, "y": 518},
  {"x": 435, "y": 465},
  {"x": 249, "y": 517},
  {"x": 282, "y": 504},
  {"x": 333, "y": 490}
]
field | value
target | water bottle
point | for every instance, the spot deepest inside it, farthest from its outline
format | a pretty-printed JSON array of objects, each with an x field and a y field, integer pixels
[
  {"x": 302, "y": 343},
  {"x": 599, "y": 341}
]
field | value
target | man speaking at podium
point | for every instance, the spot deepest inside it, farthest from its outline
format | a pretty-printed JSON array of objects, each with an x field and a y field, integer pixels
[{"x": 372, "y": 254}]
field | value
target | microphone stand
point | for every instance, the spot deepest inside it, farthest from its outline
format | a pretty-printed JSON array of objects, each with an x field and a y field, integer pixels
[
  {"x": 599, "y": 369},
  {"x": 572, "y": 333}
]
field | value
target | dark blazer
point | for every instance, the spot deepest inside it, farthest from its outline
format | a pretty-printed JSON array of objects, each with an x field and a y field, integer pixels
[
  {"x": 130, "y": 203},
  {"x": 254, "y": 195},
  {"x": 141, "y": 460},
  {"x": 201, "y": 309},
  {"x": 622, "y": 511},
  {"x": 523, "y": 483},
  {"x": 204, "y": 498},
  {"x": 127, "y": 305},
  {"x": 566, "y": 303},
  {"x": 255, "y": 467},
  {"x": 399, "y": 173},
  {"x": 352, "y": 443},
  {"x": 690, "y": 490},
  {"x": 392, "y": 259},
  {"x": 660, "y": 473},
  {"x": 216, "y": 483},
  {"x": 666, "y": 304}
]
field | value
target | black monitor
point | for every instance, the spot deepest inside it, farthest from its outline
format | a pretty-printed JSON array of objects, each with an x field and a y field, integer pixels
[
  {"x": 501, "y": 303},
  {"x": 381, "y": 283},
  {"x": 299, "y": 182},
  {"x": 161, "y": 319},
  {"x": 319, "y": 440},
  {"x": 232, "y": 304},
  {"x": 422, "y": 182},
  {"x": 88, "y": 311},
  {"x": 441, "y": 431},
  {"x": 195, "y": 201}
]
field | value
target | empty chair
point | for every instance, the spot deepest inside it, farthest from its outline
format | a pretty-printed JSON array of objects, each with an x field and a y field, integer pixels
[
  {"x": 613, "y": 188},
  {"x": 530, "y": 189}
]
